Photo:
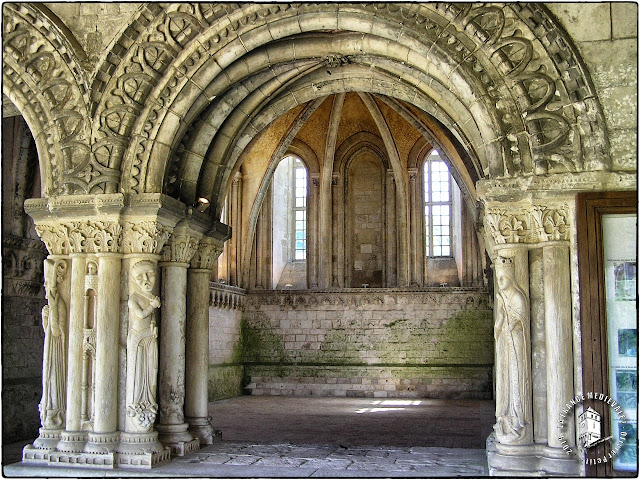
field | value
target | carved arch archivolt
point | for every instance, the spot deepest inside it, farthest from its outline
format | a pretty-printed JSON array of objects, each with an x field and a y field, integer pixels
[{"x": 520, "y": 99}]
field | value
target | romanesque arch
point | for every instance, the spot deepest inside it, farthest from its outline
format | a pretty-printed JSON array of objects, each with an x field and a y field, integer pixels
[{"x": 126, "y": 151}]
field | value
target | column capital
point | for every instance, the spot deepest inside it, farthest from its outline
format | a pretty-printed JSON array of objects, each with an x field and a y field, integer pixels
[
  {"x": 206, "y": 254},
  {"x": 507, "y": 225},
  {"x": 144, "y": 236},
  {"x": 181, "y": 248}
]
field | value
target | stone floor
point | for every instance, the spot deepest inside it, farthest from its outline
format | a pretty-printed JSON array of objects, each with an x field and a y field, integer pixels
[{"x": 324, "y": 437}]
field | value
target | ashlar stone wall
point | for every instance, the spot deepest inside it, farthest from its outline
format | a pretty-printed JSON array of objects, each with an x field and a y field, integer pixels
[
  {"x": 225, "y": 342},
  {"x": 369, "y": 343}
]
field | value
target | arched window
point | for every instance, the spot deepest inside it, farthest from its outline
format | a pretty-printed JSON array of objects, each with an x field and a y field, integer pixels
[
  {"x": 289, "y": 224},
  {"x": 299, "y": 211},
  {"x": 437, "y": 206}
]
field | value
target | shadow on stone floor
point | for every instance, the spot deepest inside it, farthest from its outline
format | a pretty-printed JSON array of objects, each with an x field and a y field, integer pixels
[{"x": 327, "y": 437}]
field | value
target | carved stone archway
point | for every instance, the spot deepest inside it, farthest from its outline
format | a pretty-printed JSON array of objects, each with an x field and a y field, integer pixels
[{"x": 181, "y": 93}]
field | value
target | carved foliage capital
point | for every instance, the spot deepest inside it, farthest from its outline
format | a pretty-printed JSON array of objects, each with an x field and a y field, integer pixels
[
  {"x": 145, "y": 237},
  {"x": 534, "y": 225},
  {"x": 86, "y": 236},
  {"x": 181, "y": 248},
  {"x": 206, "y": 254}
]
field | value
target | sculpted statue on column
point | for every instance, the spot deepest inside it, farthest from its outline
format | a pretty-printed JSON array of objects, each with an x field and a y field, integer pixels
[
  {"x": 512, "y": 377},
  {"x": 54, "y": 372},
  {"x": 142, "y": 347}
]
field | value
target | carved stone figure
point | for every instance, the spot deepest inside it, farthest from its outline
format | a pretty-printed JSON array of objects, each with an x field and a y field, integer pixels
[
  {"x": 54, "y": 371},
  {"x": 142, "y": 348},
  {"x": 512, "y": 377}
]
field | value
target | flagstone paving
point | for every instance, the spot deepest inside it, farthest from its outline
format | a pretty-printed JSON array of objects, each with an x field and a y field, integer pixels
[{"x": 283, "y": 437}]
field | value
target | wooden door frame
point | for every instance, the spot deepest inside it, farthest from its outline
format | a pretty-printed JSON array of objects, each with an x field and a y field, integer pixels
[{"x": 590, "y": 207}]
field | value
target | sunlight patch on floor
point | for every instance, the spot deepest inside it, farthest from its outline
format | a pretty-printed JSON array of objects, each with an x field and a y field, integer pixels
[{"x": 389, "y": 405}]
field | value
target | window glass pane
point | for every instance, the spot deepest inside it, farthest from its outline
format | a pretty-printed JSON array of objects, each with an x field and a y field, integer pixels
[
  {"x": 620, "y": 276},
  {"x": 437, "y": 208}
]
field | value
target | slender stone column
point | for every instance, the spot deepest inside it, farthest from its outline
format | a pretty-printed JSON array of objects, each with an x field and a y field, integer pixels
[
  {"x": 337, "y": 267},
  {"x": 414, "y": 211},
  {"x": 171, "y": 426},
  {"x": 324, "y": 231},
  {"x": 73, "y": 439},
  {"x": 390, "y": 228},
  {"x": 312, "y": 231},
  {"x": 197, "y": 356},
  {"x": 235, "y": 214},
  {"x": 557, "y": 308},
  {"x": 105, "y": 435}
]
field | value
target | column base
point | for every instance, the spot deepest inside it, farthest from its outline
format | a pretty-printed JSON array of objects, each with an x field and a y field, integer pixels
[
  {"x": 533, "y": 460},
  {"x": 145, "y": 460},
  {"x": 201, "y": 428},
  {"x": 31, "y": 454},
  {"x": 72, "y": 442},
  {"x": 139, "y": 443},
  {"x": 102, "y": 443},
  {"x": 48, "y": 439},
  {"x": 84, "y": 460},
  {"x": 135, "y": 450},
  {"x": 177, "y": 438}
]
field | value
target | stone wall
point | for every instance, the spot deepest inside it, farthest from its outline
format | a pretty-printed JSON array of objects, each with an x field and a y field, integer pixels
[
  {"x": 610, "y": 52},
  {"x": 369, "y": 343},
  {"x": 225, "y": 347}
]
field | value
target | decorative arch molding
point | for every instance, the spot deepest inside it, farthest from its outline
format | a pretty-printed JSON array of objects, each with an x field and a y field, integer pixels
[
  {"x": 43, "y": 77},
  {"x": 513, "y": 59},
  {"x": 534, "y": 60}
]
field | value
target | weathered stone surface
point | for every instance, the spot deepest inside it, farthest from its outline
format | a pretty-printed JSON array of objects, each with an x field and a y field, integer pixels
[
  {"x": 579, "y": 19},
  {"x": 363, "y": 344},
  {"x": 624, "y": 19}
]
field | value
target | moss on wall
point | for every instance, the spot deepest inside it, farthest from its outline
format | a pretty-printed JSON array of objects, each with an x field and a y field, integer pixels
[
  {"x": 436, "y": 345},
  {"x": 259, "y": 342},
  {"x": 225, "y": 381}
]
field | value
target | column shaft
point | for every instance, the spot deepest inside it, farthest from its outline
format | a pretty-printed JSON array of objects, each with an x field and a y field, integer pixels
[
  {"x": 72, "y": 440},
  {"x": 172, "y": 429},
  {"x": 76, "y": 324},
  {"x": 107, "y": 344},
  {"x": 197, "y": 356},
  {"x": 557, "y": 309},
  {"x": 390, "y": 229}
]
